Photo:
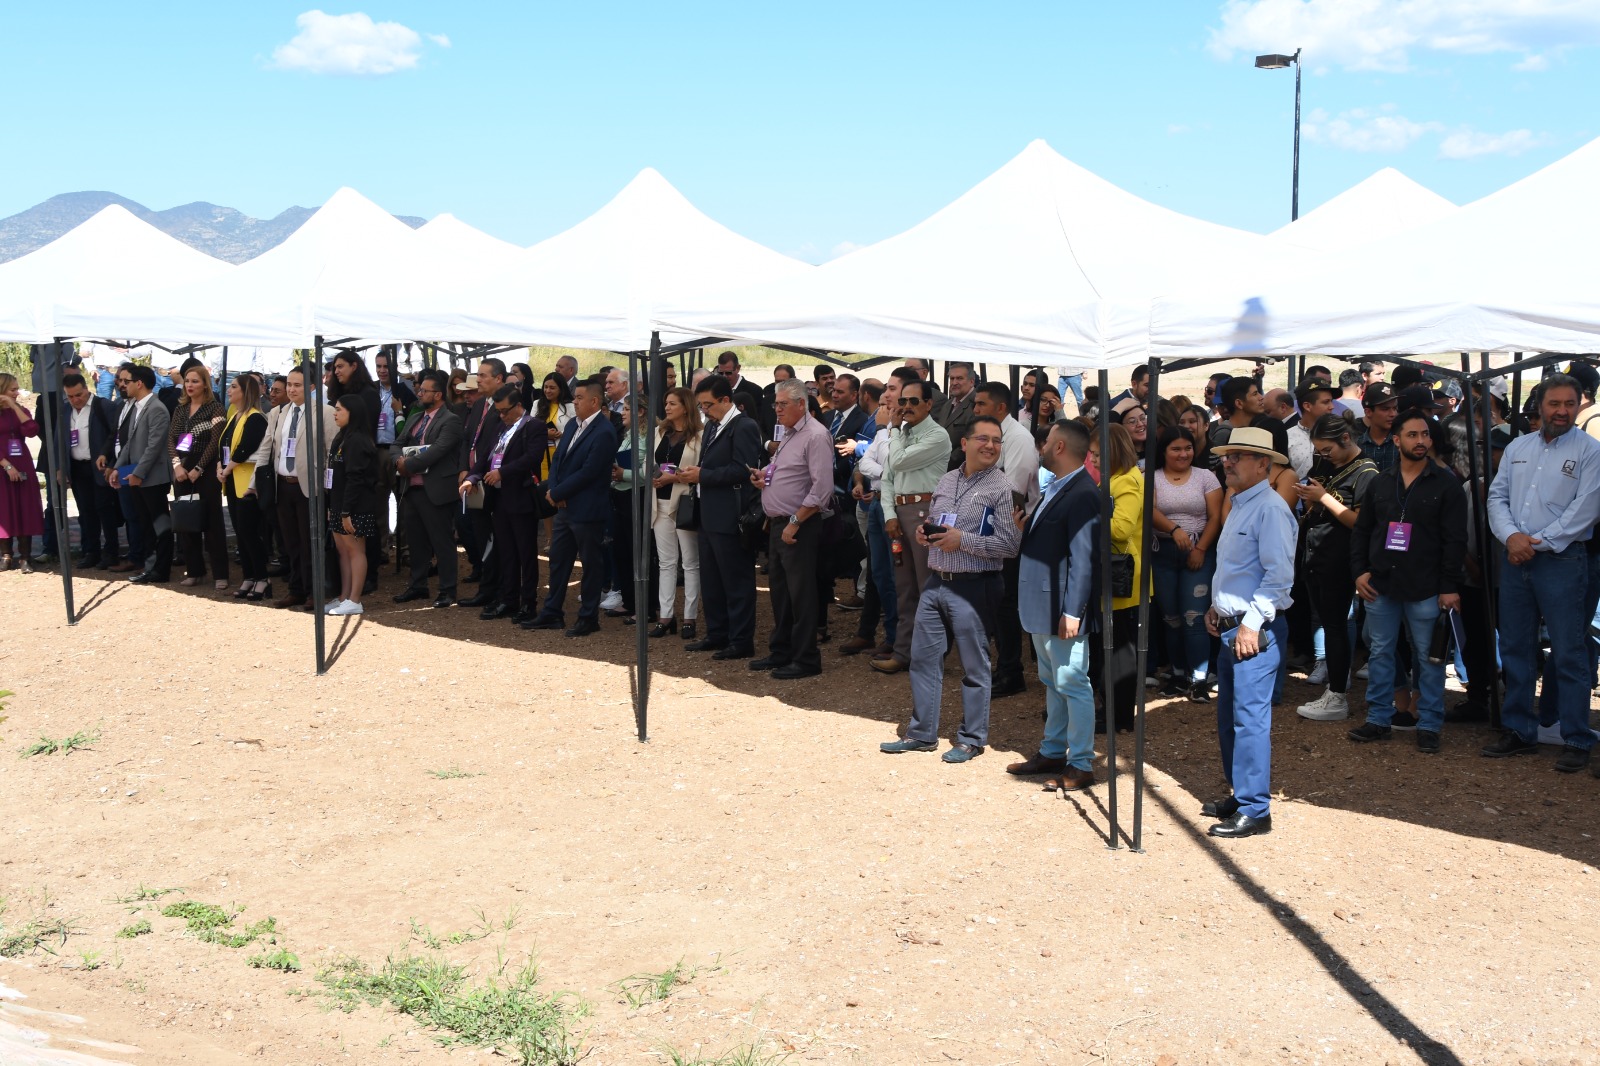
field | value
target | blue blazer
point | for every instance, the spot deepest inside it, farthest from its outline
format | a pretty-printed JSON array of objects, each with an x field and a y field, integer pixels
[
  {"x": 580, "y": 475},
  {"x": 1056, "y": 571}
]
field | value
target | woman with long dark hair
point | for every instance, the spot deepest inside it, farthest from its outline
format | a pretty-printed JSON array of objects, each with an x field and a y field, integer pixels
[
  {"x": 1187, "y": 519},
  {"x": 1127, "y": 538},
  {"x": 522, "y": 376},
  {"x": 352, "y": 498},
  {"x": 243, "y": 438},
  {"x": 555, "y": 410},
  {"x": 194, "y": 442},
  {"x": 21, "y": 513},
  {"x": 677, "y": 445},
  {"x": 350, "y": 378}
]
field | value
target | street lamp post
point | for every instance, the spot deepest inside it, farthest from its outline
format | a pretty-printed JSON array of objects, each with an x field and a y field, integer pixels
[{"x": 1279, "y": 62}]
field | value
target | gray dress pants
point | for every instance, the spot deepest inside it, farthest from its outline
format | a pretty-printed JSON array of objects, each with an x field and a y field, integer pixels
[{"x": 959, "y": 613}]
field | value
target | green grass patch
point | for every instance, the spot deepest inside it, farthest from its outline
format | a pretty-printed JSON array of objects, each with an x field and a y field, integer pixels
[
  {"x": 511, "y": 1015},
  {"x": 35, "y": 934},
  {"x": 128, "y": 932},
  {"x": 745, "y": 1055},
  {"x": 642, "y": 988},
  {"x": 211, "y": 924},
  {"x": 452, "y": 773},
  {"x": 78, "y": 741},
  {"x": 144, "y": 894},
  {"x": 282, "y": 960}
]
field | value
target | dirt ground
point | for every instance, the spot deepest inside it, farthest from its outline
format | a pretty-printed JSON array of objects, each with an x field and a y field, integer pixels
[{"x": 845, "y": 906}]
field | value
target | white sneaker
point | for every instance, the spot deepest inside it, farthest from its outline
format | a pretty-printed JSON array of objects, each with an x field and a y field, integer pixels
[
  {"x": 347, "y": 607},
  {"x": 333, "y": 607},
  {"x": 1331, "y": 706},
  {"x": 1318, "y": 674},
  {"x": 612, "y": 601},
  {"x": 1362, "y": 673}
]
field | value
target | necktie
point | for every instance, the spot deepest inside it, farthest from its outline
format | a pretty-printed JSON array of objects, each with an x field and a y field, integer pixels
[
  {"x": 838, "y": 420},
  {"x": 711, "y": 435},
  {"x": 294, "y": 432}
]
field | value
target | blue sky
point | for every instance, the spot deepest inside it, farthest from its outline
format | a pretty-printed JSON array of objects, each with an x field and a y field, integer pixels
[{"x": 809, "y": 128}]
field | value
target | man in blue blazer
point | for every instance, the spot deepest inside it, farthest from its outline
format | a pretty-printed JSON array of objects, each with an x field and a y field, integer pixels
[
  {"x": 1057, "y": 590},
  {"x": 579, "y": 486}
]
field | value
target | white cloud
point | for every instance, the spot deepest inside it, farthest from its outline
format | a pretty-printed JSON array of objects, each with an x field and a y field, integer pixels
[
  {"x": 843, "y": 248},
  {"x": 439, "y": 39},
  {"x": 1470, "y": 144},
  {"x": 1533, "y": 64},
  {"x": 351, "y": 44},
  {"x": 1363, "y": 130},
  {"x": 1382, "y": 34}
]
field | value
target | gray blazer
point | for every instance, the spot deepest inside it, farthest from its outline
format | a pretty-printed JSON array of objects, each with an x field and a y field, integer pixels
[
  {"x": 146, "y": 447},
  {"x": 439, "y": 461}
]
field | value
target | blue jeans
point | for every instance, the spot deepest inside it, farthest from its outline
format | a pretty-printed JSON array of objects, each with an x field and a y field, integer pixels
[
  {"x": 1073, "y": 382},
  {"x": 881, "y": 568},
  {"x": 1182, "y": 596},
  {"x": 1544, "y": 588},
  {"x": 1280, "y": 634},
  {"x": 1550, "y": 684},
  {"x": 1384, "y": 615},
  {"x": 1244, "y": 722},
  {"x": 1068, "y": 699}
]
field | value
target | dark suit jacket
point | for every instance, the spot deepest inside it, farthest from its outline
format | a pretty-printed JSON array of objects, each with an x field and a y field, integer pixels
[
  {"x": 957, "y": 419},
  {"x": 519, "y": 469},
  {"x": 440, "y": 459},
  {"x": 844, "y": 467},
  {"x": 1056, "y": 571},
  {"x": 480, "y": 431},
  {"x": 102, "y": 427},
  {"x": 725, "y": 489},
  {"x": 753, "y": 393},
  {"x": 580, "y": 474}
]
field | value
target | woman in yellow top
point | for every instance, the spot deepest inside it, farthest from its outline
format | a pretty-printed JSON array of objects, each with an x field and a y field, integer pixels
[
  {"x": 553, "y": 408},
  {"x": 1127, "y": 538},
  {"x": 243, "y": 443}
]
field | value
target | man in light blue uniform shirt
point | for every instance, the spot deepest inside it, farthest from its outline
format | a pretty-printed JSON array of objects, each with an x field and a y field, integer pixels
[
  {"x": 1255, "y": 571},
  {"x": 1543, "y": 505}
]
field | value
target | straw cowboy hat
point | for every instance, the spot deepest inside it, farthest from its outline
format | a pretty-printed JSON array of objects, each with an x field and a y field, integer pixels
[{"x": 1251, "y": 440}]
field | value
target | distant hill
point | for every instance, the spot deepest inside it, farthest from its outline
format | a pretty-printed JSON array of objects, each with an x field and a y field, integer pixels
[{"x": 219, "y": 231}]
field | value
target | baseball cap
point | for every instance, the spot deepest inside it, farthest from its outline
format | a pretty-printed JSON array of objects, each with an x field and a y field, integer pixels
[
  {"x": 1586, "y": 376},
  {"x": 1308, "y": 390},
  {"x": 1379, "y": 392},
  {"x": 1419, "y": 397}
]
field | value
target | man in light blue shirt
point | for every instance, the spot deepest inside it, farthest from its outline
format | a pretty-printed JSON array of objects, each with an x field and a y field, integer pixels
[
  {"x": 1255, "y": 570},
  {"x": 1543, "y": 505}
]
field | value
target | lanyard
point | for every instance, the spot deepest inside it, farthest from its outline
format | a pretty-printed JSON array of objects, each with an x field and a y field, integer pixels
[
  {"x": 1405, "y": 498},
  {"x": 505, "y": 438}
]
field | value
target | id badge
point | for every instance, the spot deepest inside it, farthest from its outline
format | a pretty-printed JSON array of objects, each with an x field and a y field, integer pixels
[
  {"x": 777, "y": 433},
  {"x": 494, "y": 461},
  {"x": 327, "y": 479},
  {"x": 14, "y": 449},
  {"x": 385, "y": 419},
  {"x": 186, "y": 442},
  {"x": 224, "y": 455},
  {"x": 289, "y": 447},
  {"x": 1399, "y": 538},
  {"x": 75, "y": 434},
  {"x": 766, "y": 475},
  {"x": 947, "y": 520}
]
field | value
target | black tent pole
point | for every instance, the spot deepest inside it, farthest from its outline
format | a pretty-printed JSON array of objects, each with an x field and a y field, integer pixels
[
  {"x": 1146, "y": 548},
  {"x": 1478, "y": 476},
  {"x": 48, "y": 358},
  {"x": 223, "y": 397},
  {"x": 643, "y": 465},
  {"x": 313, "y": 469},
  {"x": 1107, "y": 686}
]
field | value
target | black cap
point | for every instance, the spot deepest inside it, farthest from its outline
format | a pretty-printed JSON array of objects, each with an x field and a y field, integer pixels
[
  {"x": 1418, "y": 397},
  {"x": 1308, "y": 390},
  {"x": 1587, "y": 377},
  {"x": 1378, "y": 392}
]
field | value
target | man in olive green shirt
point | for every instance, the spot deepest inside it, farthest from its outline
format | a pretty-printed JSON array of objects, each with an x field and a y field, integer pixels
[{"x": 919, "y": 454}]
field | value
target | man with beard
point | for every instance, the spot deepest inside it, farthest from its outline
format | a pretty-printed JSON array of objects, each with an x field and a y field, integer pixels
[{"x": 1542, "y": 507}]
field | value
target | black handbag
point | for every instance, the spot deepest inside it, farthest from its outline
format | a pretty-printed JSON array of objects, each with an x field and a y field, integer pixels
[
  {"x": 753, "y": 526},
  {"x": 188, "y": 514},
  {"x": 1121, "y": 575},
  {"x": 688, "y": 513}
]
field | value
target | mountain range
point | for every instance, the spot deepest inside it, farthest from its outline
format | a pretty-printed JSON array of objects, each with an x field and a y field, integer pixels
[{"x": 222, "y": 232}]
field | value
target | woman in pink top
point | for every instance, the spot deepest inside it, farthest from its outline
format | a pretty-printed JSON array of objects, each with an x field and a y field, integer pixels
[{"x": 1187, "y": 520}]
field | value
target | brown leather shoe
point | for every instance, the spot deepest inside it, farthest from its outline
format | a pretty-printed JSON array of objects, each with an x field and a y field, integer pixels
[
  {"x": 883, "y": 650},
  {"x": 1071, "y": 780},
  {"x": 290, "y": 600},
  {"x": 1037, "y": 764},
  {"x": 890, "y": 665},
  {"x": 125, "y": 567},
  {"x": 856, "y": 645}
]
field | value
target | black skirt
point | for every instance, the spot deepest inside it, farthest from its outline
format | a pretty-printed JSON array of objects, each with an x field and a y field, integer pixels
[{"x": 366, "y": 525}]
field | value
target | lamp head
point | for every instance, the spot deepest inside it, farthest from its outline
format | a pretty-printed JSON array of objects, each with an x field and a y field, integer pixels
[{"x": 1274, "y": 62}]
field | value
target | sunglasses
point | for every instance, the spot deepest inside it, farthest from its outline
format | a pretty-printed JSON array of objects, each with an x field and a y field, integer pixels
[{"x": 910, "y": 401}]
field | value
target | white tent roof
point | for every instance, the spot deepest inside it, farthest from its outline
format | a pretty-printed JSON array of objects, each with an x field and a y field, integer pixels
[
  {"x": 1384, "y": 204},
  {"x": 267, "y": 301},
  {"x": 596, "y": 285},
  {"x": 112, "y": 253},
  {"x": 1514, "y": 271},
  {"x": 450, "y": 238},
  {"x": 1040, "y": 263}
]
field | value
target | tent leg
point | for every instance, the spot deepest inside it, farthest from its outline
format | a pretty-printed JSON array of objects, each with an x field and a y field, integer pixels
[
  {"x": 222, "y": 394},
  {"x": 319, "y": 559},
  {"x": 1150, "y": 457},
  {"x": 641, "y": 524},
  {"x": 54, "y": 445},
  {"x": 1107, "y": 686}
]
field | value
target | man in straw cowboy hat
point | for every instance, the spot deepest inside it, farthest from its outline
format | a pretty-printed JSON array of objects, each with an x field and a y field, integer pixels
[{"x": 1255, "y": 570}]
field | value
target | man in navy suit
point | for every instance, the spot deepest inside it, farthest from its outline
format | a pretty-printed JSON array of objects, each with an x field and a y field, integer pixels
[
  {"x": 729, "y": 450},
  {"x": 429, "y": 477},
  {"x": 1056, "y": 593},
  {"x": 89, "y": 423},
  {"x": 579, "y": 488},
  {"x": 508, "y": 469}
]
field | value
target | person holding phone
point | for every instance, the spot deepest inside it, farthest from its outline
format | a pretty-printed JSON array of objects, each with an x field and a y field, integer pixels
[{"x": 1255, "y": 570}]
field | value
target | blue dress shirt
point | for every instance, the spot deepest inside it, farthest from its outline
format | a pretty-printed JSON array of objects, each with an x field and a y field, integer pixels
[
  {"x": 1255, "y": 558},
  {"x": 1547, "y": 489}
]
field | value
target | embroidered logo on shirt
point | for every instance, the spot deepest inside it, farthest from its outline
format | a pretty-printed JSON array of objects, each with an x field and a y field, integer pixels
[{"x": 1570, "y": 468}]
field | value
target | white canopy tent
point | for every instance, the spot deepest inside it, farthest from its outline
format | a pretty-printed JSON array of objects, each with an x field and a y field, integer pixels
[
  {"x": 1512, "y": 272},
  {"x": 1040, "y": 263},
  {"x": 1384, "y": 204},
  {"x": 452, "y": 240},
  {"x": 266, "y": 302},
  {"x": 597, "y": 285},
  {"x": 112, "y": 254}
]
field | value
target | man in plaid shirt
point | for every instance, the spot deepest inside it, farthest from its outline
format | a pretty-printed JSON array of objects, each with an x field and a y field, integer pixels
[{"x": 970, "y": 531}]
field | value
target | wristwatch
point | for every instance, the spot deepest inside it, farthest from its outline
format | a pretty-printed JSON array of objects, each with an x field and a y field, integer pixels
[{"x": 794, "y": 520}]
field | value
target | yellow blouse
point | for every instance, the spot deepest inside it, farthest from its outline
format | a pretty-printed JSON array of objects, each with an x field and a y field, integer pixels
[{"x": 1127, "y": 527}]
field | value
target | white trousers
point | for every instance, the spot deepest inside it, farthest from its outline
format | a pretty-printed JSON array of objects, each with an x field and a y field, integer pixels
[{"x": 672, "y": 546}]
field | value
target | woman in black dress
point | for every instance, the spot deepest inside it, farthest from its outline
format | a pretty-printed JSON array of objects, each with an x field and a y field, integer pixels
[
  {"x": 242, "y": 440},
  {"x": 194, "y": 441},
  {"x": 352, "y": 498}
]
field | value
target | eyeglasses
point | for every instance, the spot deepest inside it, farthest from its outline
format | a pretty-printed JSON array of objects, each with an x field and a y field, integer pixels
[
  {"x": 706, "y": 405},
  {"x": 910, "y": 401},
  {"x": 985, "y": 440},
  {"x": 729, "y": 373}
]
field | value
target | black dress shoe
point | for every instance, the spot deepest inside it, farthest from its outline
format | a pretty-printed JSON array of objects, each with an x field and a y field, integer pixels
[
  {"x": 584, "y": 627},
  {"x": 523, "y": 617},
  {"x": 733, "y": 651},
  {"x": 482, "y": 599},
  {"x": 410, "y": 594},
  {"x": 706, "y": 644},
  {"x": 475, "y": 577},
  {"x": 1242, "y": 825},
  {"x": 147, "y": 577},
  {"x": 767, "y": 662},
  {"x": 999, "y": 690},
  {"x": 794, "y": 671},
  {"x": 544, "y": 622},
  {"x": 495, "y": 611},
  {"x": 1226, "y": 807},
  {"x": 445, "y": 601}
]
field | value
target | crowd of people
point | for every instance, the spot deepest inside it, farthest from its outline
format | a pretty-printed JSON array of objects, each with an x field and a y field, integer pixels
[{"x": 1301, "y": 529}]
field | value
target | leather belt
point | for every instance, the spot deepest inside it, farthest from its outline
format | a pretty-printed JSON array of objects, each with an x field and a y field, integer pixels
[
  {"x": 289, "y": 477},
  {"x": 948, "y": 576},
  {"x": 1227, "y": 622},
  {"x": 916, "y": 497}
]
